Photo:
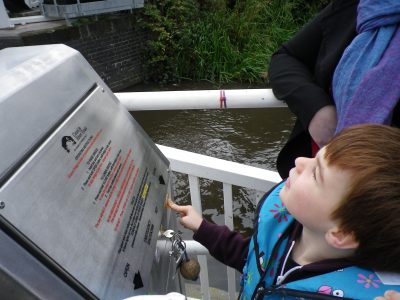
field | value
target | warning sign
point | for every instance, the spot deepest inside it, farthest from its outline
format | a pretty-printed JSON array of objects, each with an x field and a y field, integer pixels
[{"x": 91, "y": 198}]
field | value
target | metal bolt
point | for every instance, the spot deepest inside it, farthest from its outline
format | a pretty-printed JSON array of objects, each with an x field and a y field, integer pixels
[{"x": 2, "y": 204}]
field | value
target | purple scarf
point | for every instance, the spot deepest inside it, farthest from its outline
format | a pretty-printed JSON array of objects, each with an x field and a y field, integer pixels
[{"x": 366, "y": 82}]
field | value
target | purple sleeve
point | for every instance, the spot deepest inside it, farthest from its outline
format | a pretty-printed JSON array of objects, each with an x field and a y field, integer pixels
[{"x": 227, "y": 246}]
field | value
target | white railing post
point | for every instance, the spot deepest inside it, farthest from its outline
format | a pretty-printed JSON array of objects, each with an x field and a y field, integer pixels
[
  {"x": 4, "y": 19},
  {"x": 194, "y": 185},
  {"x": 228, "y": 212},
  {"x": 228, "y": 205},
  {"x": 229, "y": 173}
]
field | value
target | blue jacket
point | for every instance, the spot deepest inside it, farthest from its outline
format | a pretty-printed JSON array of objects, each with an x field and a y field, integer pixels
[{"x": 267, "y": 251}]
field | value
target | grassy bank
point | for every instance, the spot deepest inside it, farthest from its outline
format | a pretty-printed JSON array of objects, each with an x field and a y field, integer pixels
[{"x": 219, "y": 41}]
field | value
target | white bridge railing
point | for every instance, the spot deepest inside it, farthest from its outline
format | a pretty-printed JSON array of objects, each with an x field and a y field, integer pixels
[
  {"x": 229, "y": 173},
  {"x": 200, "y": 99},
  {"x": 52, "y": 11}
]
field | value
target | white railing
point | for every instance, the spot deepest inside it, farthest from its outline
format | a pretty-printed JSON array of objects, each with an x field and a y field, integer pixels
[
  {"x": 200, "y": 99},
  {"x": 229, "y": 173},
  {"x": 54, "y": 11},
  {"x": 9, "y": 22},
  {"x": 95, "y": 7}
]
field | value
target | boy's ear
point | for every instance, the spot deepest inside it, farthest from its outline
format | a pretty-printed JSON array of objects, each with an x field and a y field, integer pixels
[{"x": 340, "y": 239}]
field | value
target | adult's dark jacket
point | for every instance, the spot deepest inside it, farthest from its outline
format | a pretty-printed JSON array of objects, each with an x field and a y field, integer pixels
[{"x": 301, "y": 72}]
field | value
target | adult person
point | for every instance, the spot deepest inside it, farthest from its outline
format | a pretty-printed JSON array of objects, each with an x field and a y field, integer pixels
[{"x": 301, "y": 74}]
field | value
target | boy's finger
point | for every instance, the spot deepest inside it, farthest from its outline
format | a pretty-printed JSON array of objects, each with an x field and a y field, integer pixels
[
  {"x": 390, "y": 294},
  {"x": 168, "y": 202},
  {"x": 177, "y": 208}
]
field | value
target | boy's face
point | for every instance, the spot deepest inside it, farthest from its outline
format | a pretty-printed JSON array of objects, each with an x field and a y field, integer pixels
[{"x": 313, "y": 191}]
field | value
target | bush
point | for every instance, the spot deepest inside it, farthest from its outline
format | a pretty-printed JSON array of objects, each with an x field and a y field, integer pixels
[
  {"x": 166, "y": 20},
  {"x": 220, "y": 41}
]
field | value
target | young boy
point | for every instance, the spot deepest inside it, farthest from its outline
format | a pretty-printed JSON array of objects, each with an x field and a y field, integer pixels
[{"x": 326, "y": 230}]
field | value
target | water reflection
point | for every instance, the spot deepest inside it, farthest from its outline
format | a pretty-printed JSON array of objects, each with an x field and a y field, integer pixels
[{"x": 249, "y": 136}]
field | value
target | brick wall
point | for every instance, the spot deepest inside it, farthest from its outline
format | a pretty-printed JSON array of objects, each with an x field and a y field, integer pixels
[{"x": 113, "y": 46}]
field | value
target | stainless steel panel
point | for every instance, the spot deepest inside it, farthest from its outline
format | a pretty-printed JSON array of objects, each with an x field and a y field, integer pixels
[
  {"x": 91, "y": 197},
  {"x": 38, "y": 86},
  {"x": 22, "y": 276}
]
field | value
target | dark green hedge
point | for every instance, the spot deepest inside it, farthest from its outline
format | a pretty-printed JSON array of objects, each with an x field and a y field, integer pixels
[{"x": 219, "y": 41}]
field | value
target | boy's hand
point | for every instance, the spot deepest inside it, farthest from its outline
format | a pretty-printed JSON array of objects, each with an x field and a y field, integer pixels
[
  {"x": 190, "y": 218},
  {"x": 323, "y": 124},
  {"x": 389, "y": 295}
]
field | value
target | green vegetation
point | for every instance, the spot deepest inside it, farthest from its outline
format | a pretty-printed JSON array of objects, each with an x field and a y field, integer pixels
[{"x": 218, "y": 40}]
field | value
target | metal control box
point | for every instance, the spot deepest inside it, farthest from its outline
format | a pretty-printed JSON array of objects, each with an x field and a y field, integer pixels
[{"x": 82, "y": 185}]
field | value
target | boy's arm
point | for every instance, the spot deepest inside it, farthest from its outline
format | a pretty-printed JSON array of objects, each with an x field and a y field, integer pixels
[{"x": 227, "y": 246}]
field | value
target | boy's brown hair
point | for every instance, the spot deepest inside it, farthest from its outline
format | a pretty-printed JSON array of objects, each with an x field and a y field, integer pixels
[{"x": 371, "y": 209}]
